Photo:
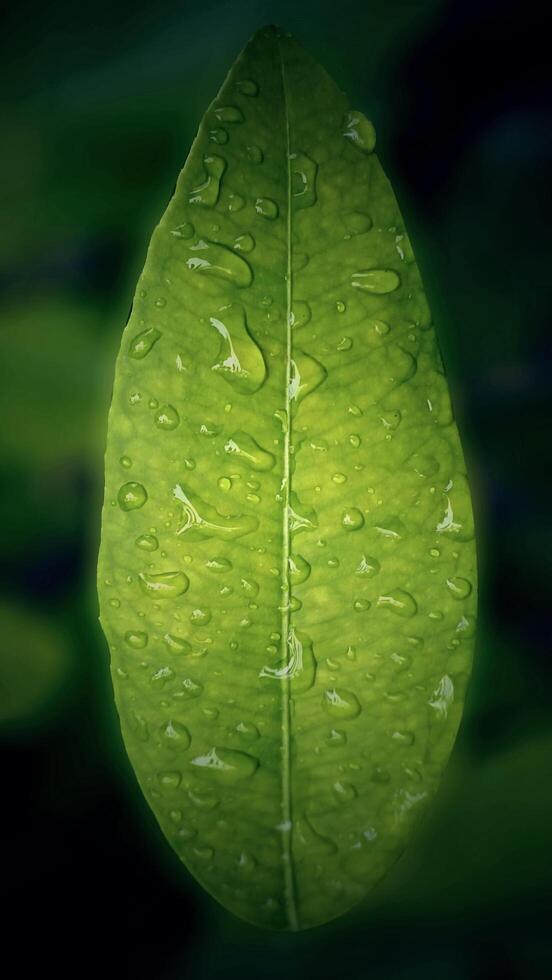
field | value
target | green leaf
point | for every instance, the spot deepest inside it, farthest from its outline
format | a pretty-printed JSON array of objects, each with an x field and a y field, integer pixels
[{"x": 287, "y": 568}]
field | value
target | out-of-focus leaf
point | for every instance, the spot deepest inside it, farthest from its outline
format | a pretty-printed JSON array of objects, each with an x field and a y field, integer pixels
[{"x": 35, "y": 663}]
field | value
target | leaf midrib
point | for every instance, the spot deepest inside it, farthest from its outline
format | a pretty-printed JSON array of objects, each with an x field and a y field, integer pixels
[{"x": 287, "y": 858}]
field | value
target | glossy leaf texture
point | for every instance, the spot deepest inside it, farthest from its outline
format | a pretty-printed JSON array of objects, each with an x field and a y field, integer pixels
[{"x": 287, "y": 574}]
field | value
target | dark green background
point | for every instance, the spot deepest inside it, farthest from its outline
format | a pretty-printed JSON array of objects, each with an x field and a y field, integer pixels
[{"x": 98, "y": 108}]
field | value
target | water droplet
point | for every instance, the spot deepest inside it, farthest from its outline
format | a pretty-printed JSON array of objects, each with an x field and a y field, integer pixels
[
  {"x": 442, "y": 697},
  {"x": 359, "y": 130},
  {"x": 246, "y": 863},
  {"x": 300, "y": 517},
  {"x": 229, "y": 114},
  {"x": 167, "y": 418},
  {"x": 361, "y": 605},
  {"x": 175, "y": 735},
  {"x": 219, "y": 261},
  {"x": 404, "y": 801},
  {"x": 161, "y": 676},
  {"x": 299, "y": 569},
  {"x": 176, "y": 644},
  {"x": 459, "y": 587},
  {"x": 341, "y": 703},
  {"x": 401, "y": 365},
  {"x": 218, "y": 564},
  {"x": 402, "y": 661},
  {"x": 254, "y": 153},
  {"x": 189, "y": 690},
  {"x": 200, "y": 520},
  {"x": 136, "y": 639},
  {"x": 307, "y": 374},
  {"x": 241, "y": 361},
  {"x": 143, "y": 342},
  {"x": 267, "y": 207},
  {"x": 139, "y": 726},
  {"x": 391, "y": 420},
  {"x": 380, "y": 327},
  {"x": 355, "y": 440},
  {"x": 250, "y": 587},
  {"x": 244, "y": 243},
  {"x": 170, "y": 780},
  {"x": 466, "y": 626},
  {"x": 164, "y": 585},
  {"x": 307, "y": 839},
  {"x": 246, "y": 86},
  {"x": 367, "y": 567},
  {"x": 380, "y": 775},
  {"x": 209, "y": 429},
  {"x": 207, "y": 193},
  {"x": 131, "y": 496},
  {"x": 300, "y": 667},
  {"x": 352, "y": 519},
  {"x": 377, "y": 281},
  {"x": 339, "y": 478},
  {"x": 203, "y": 800},
  {"x": 160, "y": 302},
  {"x": 319, "y": 445},
  {"x": 200, "y": 617},
  {"x": 300, "y": 314},
  {"x": 340, "y": 306},
  {"x": 125, "y": 462},
  {"x": 403, "y": 737},
  {"x": 218, "y": 135},
  {"x": 235, "y": 203},
  {"x": 303, "y": 180},
  {"x": 399, "y": 602},
  {"x": 247, "y": 450},
  {"x": 147, "y": 542},
  {"x": 458, "y": 517},
  {"x": 404, "y": 248},
  {"x": 226, "y": 765},
  {"x": 344, "y": 792},
  {"x": 115, "y": 603},
  {"x": 336, "y": 738},
  {"x": 390, "y": 528},
  {"x": 424, "y": 465},
  {"x": 356, "y": 223},
  {"x": 248, "y": 731},
  {"x": 185, "y": 230},
  {"x": 345, "y": 343}
]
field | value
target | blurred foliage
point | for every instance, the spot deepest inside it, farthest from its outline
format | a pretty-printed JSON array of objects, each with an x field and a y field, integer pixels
[
  {"x": 34, "y": 666},
  {"x": 98, "y": 108}
]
